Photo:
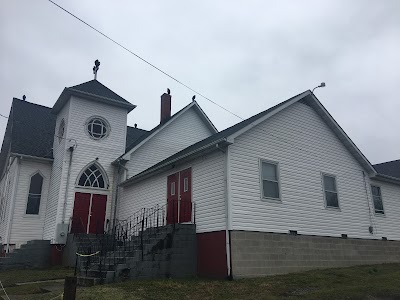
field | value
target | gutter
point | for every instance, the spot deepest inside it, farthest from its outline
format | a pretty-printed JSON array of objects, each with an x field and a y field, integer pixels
[
  {"x": 386, "y": 178},
  {"x": 151, "y": 170},
  {"x": 12, "y": 204},
  {"x": 32, "y": 157}
]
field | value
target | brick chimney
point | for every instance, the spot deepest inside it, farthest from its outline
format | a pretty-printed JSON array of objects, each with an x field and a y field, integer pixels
[{"x": 165, "y": 107}]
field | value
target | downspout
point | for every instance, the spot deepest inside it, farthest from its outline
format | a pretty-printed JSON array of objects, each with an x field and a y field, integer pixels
[
  {"x": 12, "y": 205},
  {"x": 116, "y": 192},
  {"x": 228, "y": 212},
  {"x": 71, "y": 150},
  {"x": 117, "y": 187}
]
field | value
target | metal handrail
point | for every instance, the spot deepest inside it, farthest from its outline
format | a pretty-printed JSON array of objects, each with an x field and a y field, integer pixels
[{"x": 124, "y": 237}]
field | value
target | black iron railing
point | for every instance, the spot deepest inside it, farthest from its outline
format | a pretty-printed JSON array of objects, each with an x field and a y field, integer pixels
[{"x": 126, "y": 238}]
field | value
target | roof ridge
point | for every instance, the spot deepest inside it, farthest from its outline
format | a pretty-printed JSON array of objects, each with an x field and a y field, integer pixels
[{"x": 36, "y": 104}]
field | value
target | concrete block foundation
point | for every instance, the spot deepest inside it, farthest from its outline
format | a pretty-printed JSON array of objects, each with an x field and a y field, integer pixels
[{"x": 260, "y": 253}]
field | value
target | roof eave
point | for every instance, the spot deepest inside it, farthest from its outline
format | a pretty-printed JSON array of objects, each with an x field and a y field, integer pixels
[
  {"x": 205, "y": 118},
  {"x": 31, "y": 157},
  {"x": 68, "y": 92},
  {"x": 341, "y": 134},
  {"x": 183, "y": 158},
  {"x": 386, "y": 178}
]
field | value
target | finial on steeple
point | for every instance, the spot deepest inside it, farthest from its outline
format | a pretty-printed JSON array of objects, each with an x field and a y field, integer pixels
[
  {"x": 194, "y": 97},
  {"x": 96, "y": 68}
]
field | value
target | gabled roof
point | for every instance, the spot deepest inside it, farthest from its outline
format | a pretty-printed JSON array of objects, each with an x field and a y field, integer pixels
[
  {"x": 148, "y": 135},
  {"x": 92, "y": 90},
  {"x": 228, "y": 135},
  {"x": 390, "y": 168},
  {"x": 30, "y": 131}
]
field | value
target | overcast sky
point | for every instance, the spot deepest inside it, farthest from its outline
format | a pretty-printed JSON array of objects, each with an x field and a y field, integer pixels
[{"x": 245, "y": 55}]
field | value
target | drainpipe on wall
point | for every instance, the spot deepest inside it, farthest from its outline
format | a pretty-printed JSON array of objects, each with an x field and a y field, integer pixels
[
  {"x": 228, "y": 212},
  {"x": 71, "y": 150},
  {"x": 12, "y": 207}
]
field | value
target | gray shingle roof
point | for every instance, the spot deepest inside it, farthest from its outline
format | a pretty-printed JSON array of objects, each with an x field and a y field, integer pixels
[
  {"x": 30, "y": 131},
  {"x": 133, "y": 134},
  {"x": 92, "y": 90},
  {"x": 94, "y": 87},
  {"x": 390, "y": 168}
]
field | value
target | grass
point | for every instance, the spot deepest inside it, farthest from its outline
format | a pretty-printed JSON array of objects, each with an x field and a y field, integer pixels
[
  {"x": 9, "y": 278},
  {"x": 361, "y": 282}
]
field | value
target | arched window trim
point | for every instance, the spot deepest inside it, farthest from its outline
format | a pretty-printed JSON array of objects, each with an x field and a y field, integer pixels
[
  {"x": 102, "y": 171},
  {"x": 41, "y": 193}
]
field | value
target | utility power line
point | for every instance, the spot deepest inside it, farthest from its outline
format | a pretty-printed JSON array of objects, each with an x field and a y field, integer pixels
[
  {"x": 178, "y": 81},
  {"x": 144, "y": 60}
]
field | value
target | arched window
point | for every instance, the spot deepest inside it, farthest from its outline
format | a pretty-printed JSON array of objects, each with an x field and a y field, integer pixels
[
  {"x": 92, "y": 177},
  {"x": 35, "y": 193}
]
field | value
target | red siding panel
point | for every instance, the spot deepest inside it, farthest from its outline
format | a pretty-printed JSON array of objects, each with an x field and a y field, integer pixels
[{"x": 211, "y": 255}]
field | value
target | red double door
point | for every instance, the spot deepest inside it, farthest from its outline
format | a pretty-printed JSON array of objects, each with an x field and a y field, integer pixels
[
  {"x": 89, "y": 213},
  {"x": 179, "y": 199}
]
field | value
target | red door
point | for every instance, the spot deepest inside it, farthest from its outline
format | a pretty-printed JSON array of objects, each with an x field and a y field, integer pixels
[
  {"x": 172, "y": 198},
  {"x": 179, "y": 197},
  {"x": 81, "y": 213},
  {"x": 185, "y": 192},
  {"x": 89, "y": 209},
  {"x": 98, "y": 214}
]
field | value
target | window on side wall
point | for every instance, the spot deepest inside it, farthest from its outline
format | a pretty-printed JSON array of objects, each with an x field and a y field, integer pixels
[
  {"x": 330, "y": 191},
  {"x": 35, "y": 193},
  {"x": 270, "y": 180},
  {"x": 377, "y": 197}
]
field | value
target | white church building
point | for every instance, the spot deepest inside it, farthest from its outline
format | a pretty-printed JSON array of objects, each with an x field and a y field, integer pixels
[{"x": 290, "y": 170}]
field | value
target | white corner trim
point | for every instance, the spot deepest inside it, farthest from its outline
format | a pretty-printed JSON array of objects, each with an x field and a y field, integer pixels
[{"x": 12, "y": 204}]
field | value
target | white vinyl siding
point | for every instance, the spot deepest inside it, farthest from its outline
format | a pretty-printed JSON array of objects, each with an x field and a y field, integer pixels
[
  {"x": 182, "y": 132},
  {"x": 304, "y": 146},
  {"x": 6, "y": 190},
  {"x": 208, "y": 190},
  {"x": 387, "y": 224},
  {"x": 25, "y": 226},
  {"x": 103, "y": 151}
]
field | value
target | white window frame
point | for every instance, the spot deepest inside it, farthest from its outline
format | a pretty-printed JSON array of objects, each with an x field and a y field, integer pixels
[
  {"x": 261, "y": 161},
  {"x": 323, "y": 191},
  {"x": 185, "y": 184},
  {"x": 41, "y": 196},
  {"x": 106, "y": 124},
  {"x": 373, "y": 202}
]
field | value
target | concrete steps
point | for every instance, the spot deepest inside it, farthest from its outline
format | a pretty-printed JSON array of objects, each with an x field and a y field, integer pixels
[{"x": 33, "y": 254}]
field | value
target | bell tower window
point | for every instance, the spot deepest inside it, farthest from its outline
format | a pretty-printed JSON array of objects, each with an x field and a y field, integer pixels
[{"x": 97, "y": 128}]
